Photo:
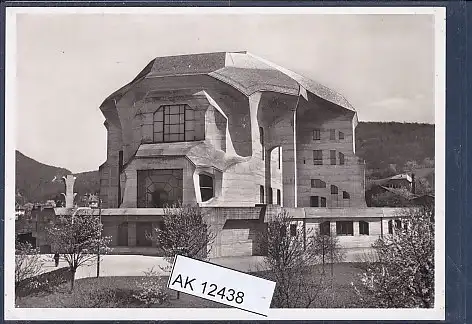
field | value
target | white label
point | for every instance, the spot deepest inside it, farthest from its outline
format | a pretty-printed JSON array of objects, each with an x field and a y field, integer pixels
[{"x": 221, "y": 285}]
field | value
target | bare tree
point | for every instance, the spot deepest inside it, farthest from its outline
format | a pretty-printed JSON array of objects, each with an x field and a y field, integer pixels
[
  {"x": 28, "y": 262},
  {"x": 183, "y": 232},
  {"x": 77, "y": 238},
  {"x": 403, "y": 273},
  {"x": 290, "y": 262},
  {"x": 327, "y": 248}
]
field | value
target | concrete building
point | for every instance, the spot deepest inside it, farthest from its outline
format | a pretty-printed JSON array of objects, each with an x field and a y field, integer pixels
[{"x": 242, "y": 138}]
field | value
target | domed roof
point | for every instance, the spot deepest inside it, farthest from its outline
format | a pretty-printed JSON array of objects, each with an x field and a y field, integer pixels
[{"x": 242, "y": 70}]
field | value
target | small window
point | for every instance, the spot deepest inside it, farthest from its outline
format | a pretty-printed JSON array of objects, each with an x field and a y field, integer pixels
[
  {"x": 206, "y": 187},
  {"x": 390, "y": 227},
  {"x": 317, "y": 134},
  {"x": 323, "y": 202},
  {"x": 398, "y": 224},
  {"x": 283, "y": 231},
  {"x": 325, "y": 228},
  {"x": 332, "y": 134},
  {"x": 293, "y": 229},
  {"x": 344, "y": 228},
  {"x": 341, "y": 135},
  {"x": 332, "y": 157},
  {"x": 279, "y": 159},
  {"x": 334, "y": 190},
  {"x": 318, "y": 157},
  {"x": 261, "y": 193},
  {"x": 261, "y": 134},
  {"x": 314, "y": 201},
  {"x": 278, "y": 197},
  {"x": 346, "y": 195},
  {"x": 317, "y": 183},
  {"x": 363, "y": 228},
  {"x": 341, "y": 158},
  {"x": 269, "y": 196}
]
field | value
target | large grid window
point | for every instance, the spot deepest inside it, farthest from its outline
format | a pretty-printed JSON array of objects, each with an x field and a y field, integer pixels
[
  {"x": 344, "y": 228},
  {"x": 175, "y": 123},
  {"x": 317, "y": 183},
  {"x": 317, "y": 134},
  {"x": 318, "y": 157},
  {"x": 159, "y": 188}
]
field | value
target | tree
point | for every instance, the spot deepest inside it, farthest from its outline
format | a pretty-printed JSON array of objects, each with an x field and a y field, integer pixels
[
  {"x": 289, "y": 261},
  {"x": 327, "y": 248},
  {"x": 78, "y": 238},
  {"x": 183, "y": 232},
  {"x": 403, "y": 273},
  {"x": 28, "y": 262},
  {"x": 393, "y": 198}
]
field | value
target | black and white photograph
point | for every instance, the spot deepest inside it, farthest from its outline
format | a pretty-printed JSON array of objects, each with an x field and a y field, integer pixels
[{"x": 225, "y": 163}]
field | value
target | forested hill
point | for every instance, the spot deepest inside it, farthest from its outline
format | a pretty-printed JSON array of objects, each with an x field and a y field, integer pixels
[
  {"x": 38, "y": 182},
  {"x": 386, "y": 148},
  {"x": 389, "y": 147}
]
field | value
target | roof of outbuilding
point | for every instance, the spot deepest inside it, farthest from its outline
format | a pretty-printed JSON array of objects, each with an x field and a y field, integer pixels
[{"x": 242, "y": 70}]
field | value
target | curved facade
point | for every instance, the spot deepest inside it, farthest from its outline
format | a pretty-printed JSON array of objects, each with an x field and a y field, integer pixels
[{"x": 228, "y": 130}]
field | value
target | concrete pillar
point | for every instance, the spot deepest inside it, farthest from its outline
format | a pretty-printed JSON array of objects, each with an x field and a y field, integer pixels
[
  {"x": 69, "y": 194},
  {"x": 356, "y": 228},
  {"x": 131, "y": 233},
  {"x": 130, "y": 192},
  {"x": 332, "y": 225}
]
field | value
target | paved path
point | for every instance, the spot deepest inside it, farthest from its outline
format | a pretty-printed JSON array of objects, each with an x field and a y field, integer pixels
[{"x": 136, "y": 265}]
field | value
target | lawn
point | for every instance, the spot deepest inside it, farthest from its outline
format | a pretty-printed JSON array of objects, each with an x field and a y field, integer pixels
[{"x": 110, "y": 292}]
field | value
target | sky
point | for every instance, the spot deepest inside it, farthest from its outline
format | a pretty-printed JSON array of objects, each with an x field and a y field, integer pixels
[{"x": 68, "y": 64}]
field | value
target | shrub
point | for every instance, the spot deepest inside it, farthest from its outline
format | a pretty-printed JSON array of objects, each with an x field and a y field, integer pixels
[
  {"x": 45, "y": 282},
  {"x": 150, "y": 289}
]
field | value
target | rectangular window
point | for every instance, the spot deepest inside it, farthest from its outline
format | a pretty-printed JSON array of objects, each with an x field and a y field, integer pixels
[
  {"x": 293, "y": 229},
  {"x": 317, "y": 183},
  {"x": 341, "y": 135},
  {"x": 269, "y": 196},
  {"x": 278, "y": 197},
  {"x": 363, "y": 228},
  {"x": 390, "y": 227},
  {"x": 317, "y": 134},
  {"x": 325, "y": 228},
  {"x": 279, "y": 159},
  {"x": 314, "y": 201},
  {"x": 261, "y": 193},
  {"x": 332, "y": 157},
  {"x": 344, "y": 228},
  {"x": 332, "y": 134},
  {"x": 341, "y": 158},
  {"x": 318, "y": 157},
  {"x": 323, "y": 202}
]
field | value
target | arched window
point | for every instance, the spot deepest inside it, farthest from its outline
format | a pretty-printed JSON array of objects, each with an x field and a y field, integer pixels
[
  {"x": 363, "y": 228},
  {"x": 346, "y": 195},
  {"x": 206, "y": 187},
  {"x": 341, "y": 158},
  {"x": 334, "y": 190},
  {"x": 317, "y": 183}
]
